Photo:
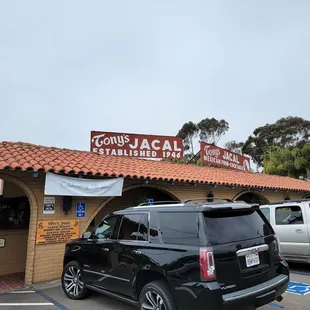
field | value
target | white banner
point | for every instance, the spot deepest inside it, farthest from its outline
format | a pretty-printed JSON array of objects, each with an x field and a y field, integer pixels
[{"x": 68, "y": 186}]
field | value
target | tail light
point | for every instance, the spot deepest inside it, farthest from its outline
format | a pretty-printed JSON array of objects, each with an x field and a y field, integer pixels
[
  {"x": 277, "y": 248},
  {"x": 207, "y": 266}
]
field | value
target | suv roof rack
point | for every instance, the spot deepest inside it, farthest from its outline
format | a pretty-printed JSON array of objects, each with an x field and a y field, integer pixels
[
  {"x": 209, "y": 199},
  {"x": 287, "y": 201},
  {"x": 158, "y": 202}
]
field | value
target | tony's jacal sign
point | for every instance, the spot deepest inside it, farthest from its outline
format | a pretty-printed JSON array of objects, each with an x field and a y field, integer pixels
[
  {"x": 134, "y": 145},
  {"x": 212, "y": 154}
]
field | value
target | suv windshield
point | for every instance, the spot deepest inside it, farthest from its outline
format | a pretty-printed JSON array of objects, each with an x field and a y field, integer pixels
[{"x": 232, "y": 226}]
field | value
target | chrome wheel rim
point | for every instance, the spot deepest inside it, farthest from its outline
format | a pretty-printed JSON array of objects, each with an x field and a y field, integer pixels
[
  {"x": 72, "y": 281},
  {"x": 153, "y": 301}
]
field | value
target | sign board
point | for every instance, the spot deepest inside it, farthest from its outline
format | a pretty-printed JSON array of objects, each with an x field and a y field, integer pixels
[
  {"x": 80, "y": 209},
  {"x": 298, "y": 288},
  {"x": 61, "y": 231},
  {"x": 150, "y": 201},
  {"x": 2, "y": 243},
  {"x": 49, "y": 205},
  {"x": 134, "y": 145},
  {"x": 212, "y": 154},
  {"x": 68, "y": 186}
]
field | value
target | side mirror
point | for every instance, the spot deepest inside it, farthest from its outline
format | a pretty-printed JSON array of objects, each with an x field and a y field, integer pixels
[{"x": 86, "y": 235}]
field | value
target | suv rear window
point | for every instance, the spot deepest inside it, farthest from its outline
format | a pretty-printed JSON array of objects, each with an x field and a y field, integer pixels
[{"x": 225, "y": 227}]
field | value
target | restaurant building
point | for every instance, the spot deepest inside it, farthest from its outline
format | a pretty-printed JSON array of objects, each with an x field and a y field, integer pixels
[{"x": 44, "y": 200}]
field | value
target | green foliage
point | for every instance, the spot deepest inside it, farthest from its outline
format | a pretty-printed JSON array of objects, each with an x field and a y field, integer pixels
[
  {"x": 290, "y": 161},
  {"x": 211, "y": 130},
  {"x": 234, "y": 146},
  {"x": 289, "y": 132},
  {"x": 188, "y": 133}
]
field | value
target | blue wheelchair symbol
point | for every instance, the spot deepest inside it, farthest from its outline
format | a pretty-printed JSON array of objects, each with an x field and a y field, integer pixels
[
  {"x": 80, "y": 209},
  {"x": 298, "y": 288}
]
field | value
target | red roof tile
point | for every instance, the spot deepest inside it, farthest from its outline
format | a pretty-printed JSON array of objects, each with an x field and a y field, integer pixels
[{"x": 26, "y": 156}]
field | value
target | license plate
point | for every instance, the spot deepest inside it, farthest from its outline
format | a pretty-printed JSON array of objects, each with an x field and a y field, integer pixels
[{"x": 252, "y": 260}]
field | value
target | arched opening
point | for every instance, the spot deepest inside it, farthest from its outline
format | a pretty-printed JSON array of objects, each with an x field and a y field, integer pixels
[
  {"x": 131, "y": 196},
  {"x": 307, "y": 197},
  {"x": 14, "y": 234},
  {"x": 252, "y": 197}
]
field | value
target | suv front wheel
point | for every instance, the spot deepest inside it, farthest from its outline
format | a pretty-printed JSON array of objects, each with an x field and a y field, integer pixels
[
  {"x": 156, "y": 296},
  {"x": 71, "y": 281}
]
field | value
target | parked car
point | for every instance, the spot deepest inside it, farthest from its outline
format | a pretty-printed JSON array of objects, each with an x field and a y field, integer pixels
[
  {"x": 290, "y": 220},
  {"x": 190, "y": 255}
]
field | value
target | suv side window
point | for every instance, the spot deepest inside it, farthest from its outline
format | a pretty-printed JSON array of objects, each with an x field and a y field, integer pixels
[
  {"x": 133, "y": 227},
  {"x": 266, "y": 212},
  {"x": 179, "y": 228},
  {"x": 289, "y": 215},
  {"x": 107, "y": 228}
]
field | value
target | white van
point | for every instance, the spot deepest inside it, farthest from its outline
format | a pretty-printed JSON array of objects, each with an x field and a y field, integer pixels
[{"x": 290, "y": 220}]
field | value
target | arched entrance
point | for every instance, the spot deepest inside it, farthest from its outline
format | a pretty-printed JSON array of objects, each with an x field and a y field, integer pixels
[
  {"x": 132, "y": 196},
  {"x": 251, "y": 197},
  {"x": 306, "y": 197},
  {"x": 18, "y": 213}
]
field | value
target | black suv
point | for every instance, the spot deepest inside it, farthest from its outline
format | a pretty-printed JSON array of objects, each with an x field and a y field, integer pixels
[{"x": 189, "y": 255}]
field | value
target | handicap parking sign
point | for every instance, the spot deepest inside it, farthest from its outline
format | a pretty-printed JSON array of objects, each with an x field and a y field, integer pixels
[
  {"x": 298, "y": 288},
  {"x": 150, "y": 201},
  {"x": 80, "y": 209}
]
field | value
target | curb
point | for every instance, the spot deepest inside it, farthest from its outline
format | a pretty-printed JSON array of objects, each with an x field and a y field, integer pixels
[{"x": 46, "y": 285}]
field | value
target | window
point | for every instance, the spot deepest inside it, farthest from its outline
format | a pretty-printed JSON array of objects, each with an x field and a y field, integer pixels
[
  {"x": 107, "y": 228},
  {"x": 179, "y": 228},
  {"x": 143, "y": 229},
  {"x": 14, "y": 213},
  {"x": 289, "y": 215},
  {"x": 133, "y": 227},
  {"x": 224, "y": 227},
  {"x": 266, "y": 212}
]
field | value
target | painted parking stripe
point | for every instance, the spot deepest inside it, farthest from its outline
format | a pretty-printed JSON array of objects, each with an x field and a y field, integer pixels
[
  {"x": 11, "y": 304},
  {"x": 53, "y": 301},
  {"x": 272, "y": 304},
  {"x": 21, "y": 292},
  {"x": 301, "y": 274}
]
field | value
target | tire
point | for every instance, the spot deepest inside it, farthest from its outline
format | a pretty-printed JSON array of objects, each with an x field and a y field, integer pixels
[
  {"x": 149, "y": 296},
  {"x": 71, "y": 282}
]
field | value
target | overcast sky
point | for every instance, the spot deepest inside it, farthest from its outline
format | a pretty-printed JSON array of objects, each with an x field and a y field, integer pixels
[{"x": 69, "y": 67}]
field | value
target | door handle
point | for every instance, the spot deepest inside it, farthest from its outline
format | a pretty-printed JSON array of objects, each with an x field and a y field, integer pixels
[
  {"x": 136, "y": 252},
  {"x": 299, "y": 231},
  {"x": 105, "y": 249}
]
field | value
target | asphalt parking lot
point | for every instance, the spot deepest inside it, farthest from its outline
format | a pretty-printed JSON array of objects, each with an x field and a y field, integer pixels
[{"x": 296, "y": 298}]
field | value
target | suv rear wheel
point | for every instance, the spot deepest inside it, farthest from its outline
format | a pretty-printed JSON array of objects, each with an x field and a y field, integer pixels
[
  {"x": 71, "y": 281},
  {"x": 156, "y": 296}
]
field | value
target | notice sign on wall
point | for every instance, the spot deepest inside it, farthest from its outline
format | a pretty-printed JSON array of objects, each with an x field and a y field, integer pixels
[
  {"x": 134, "y": 145},
  {"x": 61, "y": 231},
  {"x": 49, "y": 205},
  {"x": 214, "y": 155}
]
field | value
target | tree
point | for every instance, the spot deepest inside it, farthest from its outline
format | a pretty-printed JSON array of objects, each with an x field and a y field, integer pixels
[
  {"x": 234, "y": 146},
  {"x": 291, "y": 161},
  {"x": 188, "y": 133},
  {"x": 286, "y": 132},
  {"x": 211, "y": 130}
]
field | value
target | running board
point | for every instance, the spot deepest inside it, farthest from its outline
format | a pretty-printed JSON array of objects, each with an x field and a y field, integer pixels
[
  {"x": 296, "y": 259},
  {"x": 114, "y": 295}
]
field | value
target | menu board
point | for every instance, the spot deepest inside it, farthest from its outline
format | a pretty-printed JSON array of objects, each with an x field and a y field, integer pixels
[{"x": 61, "y": 231}]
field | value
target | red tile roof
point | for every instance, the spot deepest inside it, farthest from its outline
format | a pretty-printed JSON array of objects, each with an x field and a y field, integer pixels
[{"x": 29, "y": 157}]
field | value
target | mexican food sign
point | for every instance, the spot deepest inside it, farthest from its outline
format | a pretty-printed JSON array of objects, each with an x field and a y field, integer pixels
[
  {"x": 214, "y": 155},
  {"x": 136, "y": 145}
]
